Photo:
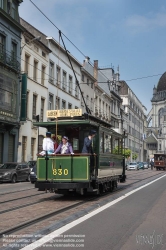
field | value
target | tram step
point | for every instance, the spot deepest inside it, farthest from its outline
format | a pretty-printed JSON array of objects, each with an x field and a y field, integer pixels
[{"x": 91, "y": 190}]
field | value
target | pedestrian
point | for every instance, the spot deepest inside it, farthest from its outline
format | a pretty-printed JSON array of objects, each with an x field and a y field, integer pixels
[
  {"x": 64, "y": 147},
  {"x": 152, "y": 164},
  {"x": 48, "y": 144},
  {"x": 88, "y": 143}
]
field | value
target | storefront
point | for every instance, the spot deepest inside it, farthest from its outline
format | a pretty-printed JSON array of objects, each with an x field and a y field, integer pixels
[{"x": 9, "y": 125}]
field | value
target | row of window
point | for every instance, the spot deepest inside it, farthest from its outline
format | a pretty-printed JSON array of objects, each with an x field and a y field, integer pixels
[
  {"x": 152, "y": 146},
  {"x": 36, "y": 71},
  {"x": 24, "y": 148},
  {"x": 13, "y": 52},
  {"x": 7, "y": 93},
  {"x": 59, "y": 104},
  {"x": 135, "y": 120},
  {"x": 134, "y": 145},
  {"x": 61, "y": 79},
  {"x": 10, "y": 7},
  {"x": 55, "y": 102},
  {"x": 106, "y": 108},
  {"x": 134, "y": 132},
  {"x": 34, "y": 107},
  {"x": 87, "y": 81},
  {"x": 135, "y": 108},
  {"x": 89, "y": 101}
]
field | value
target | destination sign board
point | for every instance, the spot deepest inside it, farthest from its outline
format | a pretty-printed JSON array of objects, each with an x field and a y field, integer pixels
[{"x": 64, "y": 113}]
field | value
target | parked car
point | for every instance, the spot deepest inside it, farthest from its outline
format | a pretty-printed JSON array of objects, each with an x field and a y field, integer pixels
[
  {"x": 33, "y": 174},
  {"x": 146, "y": 165},
  {"x": 14, "y": 171},
  {"x": 31, "y": 164},
  {"x": 141, "y": 165},
  {"x": 127, "y": 163},
  {"x": 133, "y": 166}
]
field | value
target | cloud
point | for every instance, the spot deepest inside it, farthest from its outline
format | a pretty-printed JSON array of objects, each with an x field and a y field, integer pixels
[
  {"x": 67, "y": 17},
  {"x": 138, "y": 23}
]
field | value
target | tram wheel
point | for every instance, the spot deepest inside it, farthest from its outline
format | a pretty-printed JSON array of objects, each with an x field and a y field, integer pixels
[{"x": 100, "y": 189}]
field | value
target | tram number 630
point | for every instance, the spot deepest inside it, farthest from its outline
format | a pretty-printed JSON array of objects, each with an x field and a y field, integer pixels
[{"x": 59, "y": 171}]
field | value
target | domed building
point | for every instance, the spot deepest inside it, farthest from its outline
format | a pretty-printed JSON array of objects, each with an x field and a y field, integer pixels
[{"x": 156, "y": 134}]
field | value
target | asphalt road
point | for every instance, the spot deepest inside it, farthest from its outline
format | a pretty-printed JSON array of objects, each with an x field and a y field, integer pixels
[{"x": 137, "y": 222}]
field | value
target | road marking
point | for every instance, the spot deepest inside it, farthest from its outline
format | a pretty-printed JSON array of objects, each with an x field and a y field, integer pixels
[{"x": 63, "y": 229}]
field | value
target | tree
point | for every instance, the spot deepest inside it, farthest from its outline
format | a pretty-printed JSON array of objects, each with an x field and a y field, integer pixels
[
  {"x": 125, "y": 152},
  {"x": 134, "y": 156}
]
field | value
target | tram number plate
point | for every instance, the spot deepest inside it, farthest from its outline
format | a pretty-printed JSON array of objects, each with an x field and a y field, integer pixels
[{"x": 60, "y": 171}]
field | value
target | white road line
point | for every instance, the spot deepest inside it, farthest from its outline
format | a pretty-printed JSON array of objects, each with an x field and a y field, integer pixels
[{"x": 63, "y": 229}]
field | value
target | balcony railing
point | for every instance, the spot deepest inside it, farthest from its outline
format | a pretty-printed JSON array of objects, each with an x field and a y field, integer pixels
[{"x": 9, "y": 61}]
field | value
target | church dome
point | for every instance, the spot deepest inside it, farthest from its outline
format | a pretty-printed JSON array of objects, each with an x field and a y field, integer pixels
[{"x": 162, "y": 83}]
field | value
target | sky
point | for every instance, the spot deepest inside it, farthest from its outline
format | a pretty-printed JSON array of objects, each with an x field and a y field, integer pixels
[{"x": 128, "y": 33}]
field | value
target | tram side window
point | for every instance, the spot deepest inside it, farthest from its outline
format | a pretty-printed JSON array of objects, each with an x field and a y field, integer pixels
[
  {"x": 117, "y": 148},
  {"x": 107, "y": 143},
  {"x": 94, "y": 143},
  {"x": 75, "y": 144}
]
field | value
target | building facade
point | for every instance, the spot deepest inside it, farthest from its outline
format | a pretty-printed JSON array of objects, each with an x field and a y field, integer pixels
[
  {"x": 87, "y": 85},
  {"x": 63, "y": 90},
  {"x": 51, "y": 85},
  {"x": 35, "y": 64},
  {"x": 107, "y": 101},
  {"x": 156, "y": 130},
  {"x": 136, "y": 123},
  {"x": 10, "y": 43}
]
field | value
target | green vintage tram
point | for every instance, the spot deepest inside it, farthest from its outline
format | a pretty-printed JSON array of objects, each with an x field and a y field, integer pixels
[{"x": 82, "y": 173}]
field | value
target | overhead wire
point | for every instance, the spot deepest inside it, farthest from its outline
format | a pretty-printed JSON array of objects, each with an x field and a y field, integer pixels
[
  {"x": 91, "y": 63},
  {"x": 49, "y": 76},
  {"x": 57, "y": 28}
]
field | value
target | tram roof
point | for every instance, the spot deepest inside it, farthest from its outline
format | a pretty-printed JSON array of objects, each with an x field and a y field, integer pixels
[{"x": 84, "y": 119}]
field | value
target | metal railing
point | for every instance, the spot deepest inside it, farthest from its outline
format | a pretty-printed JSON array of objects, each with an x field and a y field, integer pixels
[{"x": 10, "y": 61}]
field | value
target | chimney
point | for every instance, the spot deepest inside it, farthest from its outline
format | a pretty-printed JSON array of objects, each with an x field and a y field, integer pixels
[
  {"x": 95, "y": 72},
  {"x": 87, "y": 59}
]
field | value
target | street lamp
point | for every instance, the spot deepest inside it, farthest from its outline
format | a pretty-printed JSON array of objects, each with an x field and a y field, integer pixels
[{"x": 38, "y": 38}]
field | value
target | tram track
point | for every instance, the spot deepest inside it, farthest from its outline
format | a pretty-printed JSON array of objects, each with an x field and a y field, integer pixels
[
  {"x": 17, "y": 191},
  {"x": 22, "y": 206},
  {"x": 49, "y": 215},
  {"x": 38, "y": 219},
  {"x": 24, "y": 197}
]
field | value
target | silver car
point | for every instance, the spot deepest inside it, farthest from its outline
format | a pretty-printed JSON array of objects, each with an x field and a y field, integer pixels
[
  {"x": 146, "y": 165},
  {"x": 133, "y": 166}
]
